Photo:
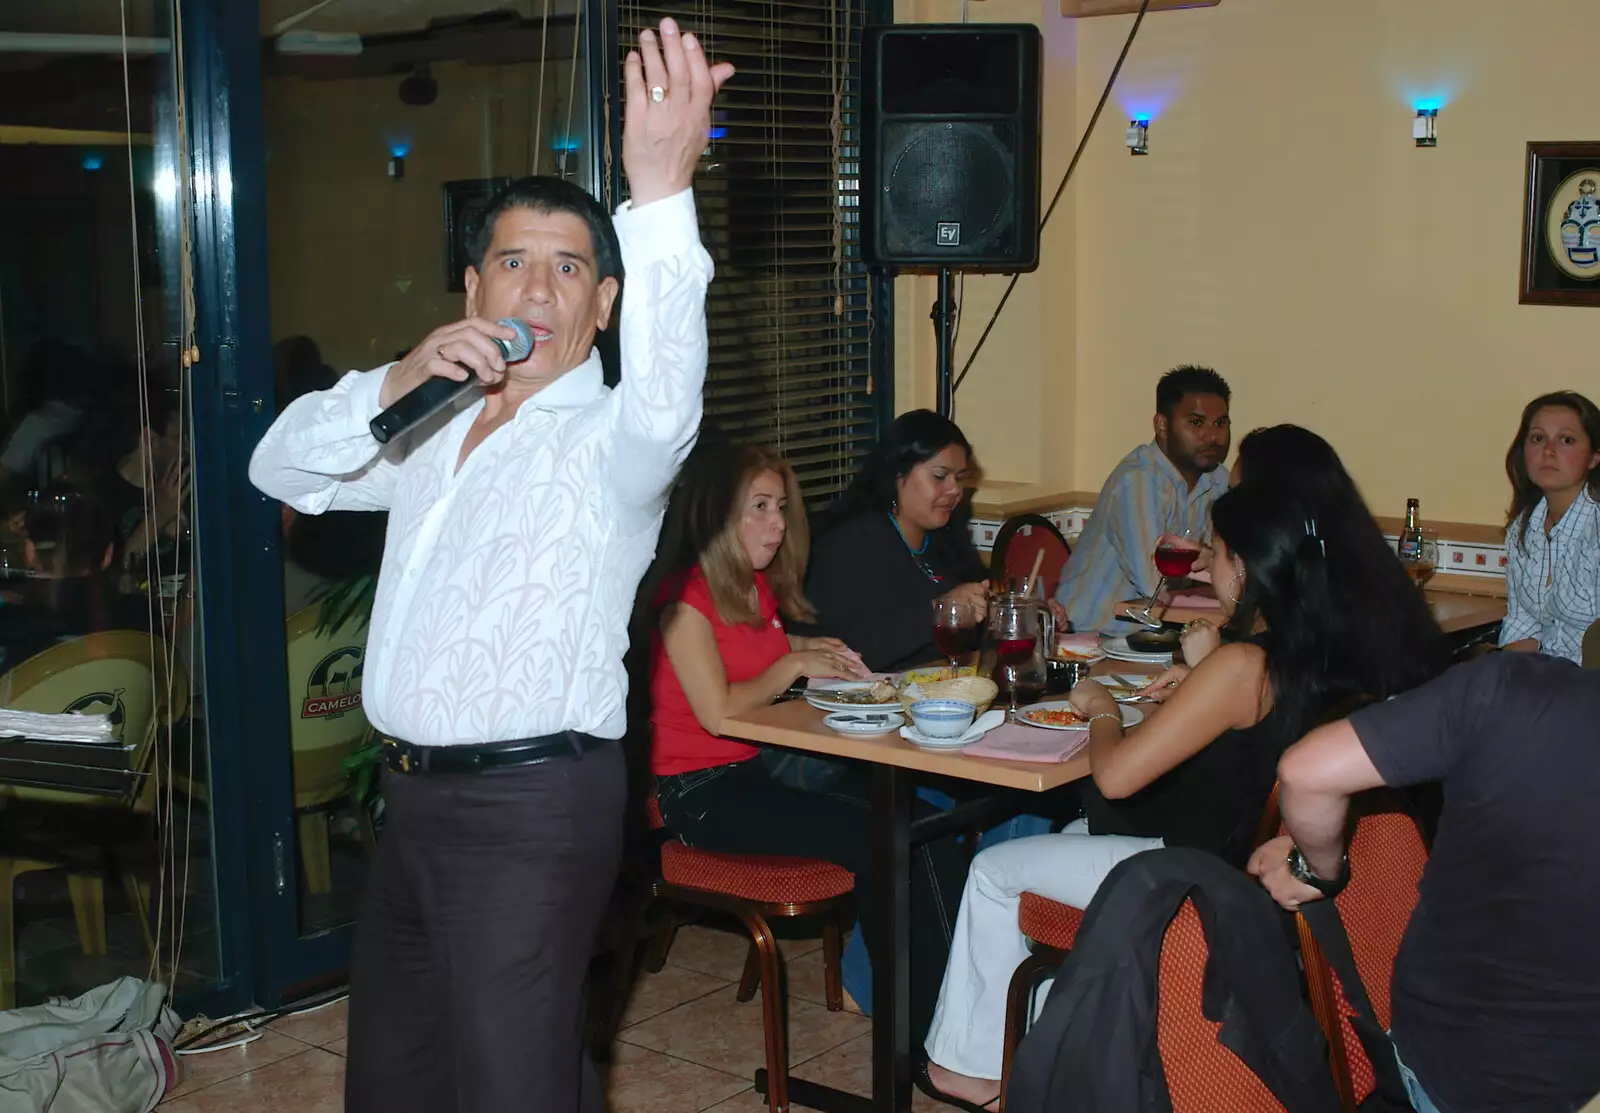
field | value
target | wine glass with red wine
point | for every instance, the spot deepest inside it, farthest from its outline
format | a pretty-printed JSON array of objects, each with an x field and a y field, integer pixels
[
  {"x": 955, "y": 629},
  {"x": 1173, "y": 562}
]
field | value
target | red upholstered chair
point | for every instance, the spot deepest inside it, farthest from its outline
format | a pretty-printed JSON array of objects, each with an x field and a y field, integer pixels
[
  {"x": 1051, "y": 928},
  {"x": 756, "y": 888},
  {"x": 1019, "y": 542},
  {"x": 1203, "y": 1076},
  {"x": 1386, "y": 860}
]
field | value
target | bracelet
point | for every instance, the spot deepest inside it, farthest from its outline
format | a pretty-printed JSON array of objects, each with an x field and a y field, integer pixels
[{"x": 1117, "y": 715}]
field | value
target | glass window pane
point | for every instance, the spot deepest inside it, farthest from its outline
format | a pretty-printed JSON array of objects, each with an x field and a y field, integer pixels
[{"x": 104, "y": 840}]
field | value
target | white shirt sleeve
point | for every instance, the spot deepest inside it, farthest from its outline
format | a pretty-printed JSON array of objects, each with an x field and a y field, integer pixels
[
  {"x": 321, "y": 455},
  {"x": 656, "y": 407}
]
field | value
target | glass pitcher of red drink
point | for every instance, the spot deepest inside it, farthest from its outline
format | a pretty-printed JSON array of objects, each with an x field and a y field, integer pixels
[{"x": 1021, "y": 633}]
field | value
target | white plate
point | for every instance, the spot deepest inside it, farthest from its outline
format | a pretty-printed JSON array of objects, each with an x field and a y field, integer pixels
[
  {"x": 1117, "y": 649},
  {"x": 1090, "y": 658},
  {"x": 821, "y": 702},
  {"x": 914, "y": 736},
  {"x": 864, "y": 724},
  {"x": 1130, "y": 716}
]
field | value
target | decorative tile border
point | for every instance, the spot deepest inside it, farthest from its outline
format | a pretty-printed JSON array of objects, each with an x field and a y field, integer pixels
[
  {"x": 1458, "y": 558},
  {"x": 1069, "y": 521}
]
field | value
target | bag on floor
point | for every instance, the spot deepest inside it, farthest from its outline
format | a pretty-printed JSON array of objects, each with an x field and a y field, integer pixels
[{"x": 109, "y": 1051}]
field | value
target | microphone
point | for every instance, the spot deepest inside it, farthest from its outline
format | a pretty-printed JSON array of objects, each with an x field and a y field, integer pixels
[{"x": 422, "y": 402}]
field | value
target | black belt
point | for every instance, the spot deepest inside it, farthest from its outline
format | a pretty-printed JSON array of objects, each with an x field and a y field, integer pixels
[{"x": 407, "y": 757}]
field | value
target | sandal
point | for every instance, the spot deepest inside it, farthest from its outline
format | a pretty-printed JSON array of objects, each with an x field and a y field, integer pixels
[{"x": 925, "y": 1084}]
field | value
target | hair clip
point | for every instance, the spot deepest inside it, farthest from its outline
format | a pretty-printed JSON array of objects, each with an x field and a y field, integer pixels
[{"x": 1311, "y": 531}]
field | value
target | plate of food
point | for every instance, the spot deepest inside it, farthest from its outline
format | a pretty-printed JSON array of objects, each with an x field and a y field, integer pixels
[
  {"x": 1087, "y": 654},
  {"x": 1060, "y": 715},
  {"x": 855, "y": 695}
]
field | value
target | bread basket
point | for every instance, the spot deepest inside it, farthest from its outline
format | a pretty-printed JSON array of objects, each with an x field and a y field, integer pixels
[{"x": 976, "y": 690}]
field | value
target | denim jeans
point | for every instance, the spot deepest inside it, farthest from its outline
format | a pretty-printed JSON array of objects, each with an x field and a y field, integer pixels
[
  {"x": 742, "y": 809},
  {"x": 1420, "y": 1101}
]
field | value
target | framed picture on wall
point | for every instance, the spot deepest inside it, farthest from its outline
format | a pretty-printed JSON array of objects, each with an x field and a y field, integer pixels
[
  {"x": 1561, "y": 225},
  {"x": 464, "y": 202}
]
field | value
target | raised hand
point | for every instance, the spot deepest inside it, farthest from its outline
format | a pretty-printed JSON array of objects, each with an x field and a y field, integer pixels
[{"x": 667, "y": 111}]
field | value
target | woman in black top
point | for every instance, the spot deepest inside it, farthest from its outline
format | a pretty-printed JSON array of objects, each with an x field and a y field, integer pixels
[
  {"x": 895, "y": 543},
  {"x": 1318, "y": 610}
]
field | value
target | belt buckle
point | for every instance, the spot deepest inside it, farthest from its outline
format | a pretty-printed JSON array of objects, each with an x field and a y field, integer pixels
[{"x": 402, "y": 758}]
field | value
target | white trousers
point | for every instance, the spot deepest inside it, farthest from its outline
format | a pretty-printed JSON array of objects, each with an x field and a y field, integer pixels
[{"x": 968, "y": 1033}]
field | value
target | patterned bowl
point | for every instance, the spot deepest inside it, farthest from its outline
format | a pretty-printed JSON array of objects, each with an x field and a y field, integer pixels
[{"x": 942, "y": 718}]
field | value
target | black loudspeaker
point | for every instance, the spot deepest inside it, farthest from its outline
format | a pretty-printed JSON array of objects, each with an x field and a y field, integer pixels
[{"x": 950, "y": 146}]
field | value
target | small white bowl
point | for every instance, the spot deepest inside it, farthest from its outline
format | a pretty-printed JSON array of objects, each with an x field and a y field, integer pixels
[{"x": 942, "y": 718}]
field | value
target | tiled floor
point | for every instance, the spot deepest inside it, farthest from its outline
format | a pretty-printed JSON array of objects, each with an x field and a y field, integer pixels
[{"x": 686, "y": 1045}]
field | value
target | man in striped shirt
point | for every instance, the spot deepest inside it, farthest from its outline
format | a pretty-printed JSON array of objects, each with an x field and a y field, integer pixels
[{"x": 1165, "y": 487}]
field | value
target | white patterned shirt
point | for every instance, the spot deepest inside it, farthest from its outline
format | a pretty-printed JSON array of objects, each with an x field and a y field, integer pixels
[
  {"x": 503, "y": 601},
  {"x": 1553, "y": 586}
]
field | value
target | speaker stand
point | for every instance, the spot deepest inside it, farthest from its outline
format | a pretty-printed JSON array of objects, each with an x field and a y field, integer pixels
[{"x": 944, "y": 322}]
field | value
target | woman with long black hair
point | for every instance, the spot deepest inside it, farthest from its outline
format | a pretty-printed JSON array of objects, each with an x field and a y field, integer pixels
[
  {"x": 896, "y": 541},
  {"x": 1317, "y": 610}
]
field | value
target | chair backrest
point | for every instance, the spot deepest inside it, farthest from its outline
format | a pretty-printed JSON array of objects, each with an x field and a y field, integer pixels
[
  {"x": 1203, "y": 1076},
  {"x": 1591, "y": 647},
  {"x": 118, "y": 673},
  {"x": 1387, "y": 857},
  {"x": 1019, "y": 543},
  {"x": 325, "y": 718}
]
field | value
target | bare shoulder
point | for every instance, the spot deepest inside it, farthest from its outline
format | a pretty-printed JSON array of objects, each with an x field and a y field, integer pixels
[{"x": 1236, "y": 674}]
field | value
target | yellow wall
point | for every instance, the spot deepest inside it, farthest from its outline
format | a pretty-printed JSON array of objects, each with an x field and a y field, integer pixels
[
  {"x": 1286, "y": 230},
  {"x": 357, "y": 260}
]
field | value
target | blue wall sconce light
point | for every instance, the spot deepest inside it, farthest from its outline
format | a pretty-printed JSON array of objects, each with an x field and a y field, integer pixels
[
  {"x": 1425, "y": 128},
  {"x": 1139, "y": 136}
]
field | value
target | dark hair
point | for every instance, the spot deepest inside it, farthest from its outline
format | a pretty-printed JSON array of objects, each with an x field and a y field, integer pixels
[
  {"x": 1189, "y": 379},
  {"x": 548, "y": 195},
  {"x": 915, "y": 437},
  {"x": 1295, "y": 457},
  {"x": 1524, "y": 494},
  {"x": 1341, "y": 616}
]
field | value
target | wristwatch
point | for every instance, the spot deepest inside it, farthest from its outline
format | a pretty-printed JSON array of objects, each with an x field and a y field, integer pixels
[{"x": 1300, "y": 871}]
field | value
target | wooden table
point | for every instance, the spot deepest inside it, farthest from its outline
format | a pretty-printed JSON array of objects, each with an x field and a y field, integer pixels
[
  {"x": 896, "y": 764},
  {"x": 1455, "y": 611}
]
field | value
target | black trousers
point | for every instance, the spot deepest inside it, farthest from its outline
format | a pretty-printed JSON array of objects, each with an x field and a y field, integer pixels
[
  {"x": 473, "y": 939},
  {"x": 741, "y": 809}
]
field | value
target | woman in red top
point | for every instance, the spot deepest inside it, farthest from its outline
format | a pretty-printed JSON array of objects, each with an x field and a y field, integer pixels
[
  {"x": 720, "y": 649},
  {"x": 721, "y": 625}
]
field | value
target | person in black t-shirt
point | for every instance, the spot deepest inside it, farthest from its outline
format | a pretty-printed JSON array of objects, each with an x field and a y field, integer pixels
[{"x": 1496, "y": 990}]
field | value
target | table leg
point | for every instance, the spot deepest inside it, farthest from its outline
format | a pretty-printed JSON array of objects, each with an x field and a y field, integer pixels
[
  {"x": 891, "y": 966},
  {"x": 891, "y": 962}
]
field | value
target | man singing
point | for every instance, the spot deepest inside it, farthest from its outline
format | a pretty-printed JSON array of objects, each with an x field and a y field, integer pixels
[{"x": 520, "y": 523}]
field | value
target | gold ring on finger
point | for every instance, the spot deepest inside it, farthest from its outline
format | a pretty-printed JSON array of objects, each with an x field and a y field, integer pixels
[
  {"x": 657, "y": 94},
  {"x": 440, "y": 350}
]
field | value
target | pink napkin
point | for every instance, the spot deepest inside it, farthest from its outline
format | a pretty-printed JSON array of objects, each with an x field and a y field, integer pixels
[
  {"x": 1015, "y": 742},
  {"x": 1196, "y": 602}
]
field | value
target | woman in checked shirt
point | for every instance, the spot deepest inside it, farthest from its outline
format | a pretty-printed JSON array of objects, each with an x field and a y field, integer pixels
[{"x": 1553, "y": 528}]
